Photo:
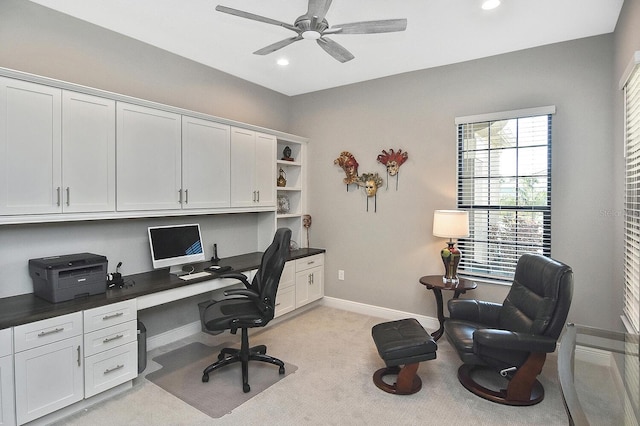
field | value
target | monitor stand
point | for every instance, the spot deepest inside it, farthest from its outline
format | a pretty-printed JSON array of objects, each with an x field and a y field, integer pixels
[{"x": 177, "y": 270}]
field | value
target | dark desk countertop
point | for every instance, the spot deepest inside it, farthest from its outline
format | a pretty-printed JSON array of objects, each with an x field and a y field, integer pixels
[{"x": 26, "y": 308}]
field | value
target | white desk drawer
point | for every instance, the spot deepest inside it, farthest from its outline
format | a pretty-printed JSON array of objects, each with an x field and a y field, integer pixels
[
  {"x": 38, "y": 333},
  {"x": 108, "y": 315},
  {"x": 285, "y": 300},
  {"x": 309, "y": 262},
  {"x": 110, "y": 368},
  {"x": 6, "y": 342},
  {"x": 110, "y": 337},
  {"x": 288, "y": 277}
]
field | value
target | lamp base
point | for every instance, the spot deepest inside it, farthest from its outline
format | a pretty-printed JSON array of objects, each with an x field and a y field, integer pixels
[{"x": 450, "y": 258}]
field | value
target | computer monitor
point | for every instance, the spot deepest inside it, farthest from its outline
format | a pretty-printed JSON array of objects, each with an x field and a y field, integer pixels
[{"x": 174, "y": 246}]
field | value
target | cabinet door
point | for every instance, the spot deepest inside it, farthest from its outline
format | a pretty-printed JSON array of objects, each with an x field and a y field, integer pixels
[
  {"x": 309, "y": 285},
  {"x": 48, "y": 378},
  {"x": 206, "y": 175},
  {"x": 148, "y": 158},
  {"x": 265, "y": 178},
  {"x": 243, "y": 160},
  {"x": 89, "y": 153},
  {"x": 7, "y": 408},
  {"x": 30, "y": 177}
]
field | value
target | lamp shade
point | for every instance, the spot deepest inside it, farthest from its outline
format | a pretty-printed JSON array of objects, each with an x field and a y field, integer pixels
[{"x": 451, "y": 223}]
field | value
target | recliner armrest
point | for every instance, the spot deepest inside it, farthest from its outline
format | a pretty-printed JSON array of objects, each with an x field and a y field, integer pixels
[
  {"x": 512, "y": 340},
  {"x": 474, "y": 311}
]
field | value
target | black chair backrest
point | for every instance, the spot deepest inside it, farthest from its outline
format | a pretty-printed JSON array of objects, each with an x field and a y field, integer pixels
[
  {"x": 268, "y": 276},
  {"x": 540, "y": 297}
]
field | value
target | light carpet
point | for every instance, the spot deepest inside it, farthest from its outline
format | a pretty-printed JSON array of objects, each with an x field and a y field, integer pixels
[
  {"x": 181, "y": 375},
  {"x": 336, "y": 358}
]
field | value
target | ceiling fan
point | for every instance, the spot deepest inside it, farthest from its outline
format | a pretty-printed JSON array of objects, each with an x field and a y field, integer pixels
[{"x": 313, "y": 26}]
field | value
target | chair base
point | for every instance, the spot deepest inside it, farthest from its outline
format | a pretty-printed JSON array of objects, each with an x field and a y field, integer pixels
[
  {"x": 503, "y": 396},
  {"x": 407, "y": 382},
  {"x": 243, "y": 355}
]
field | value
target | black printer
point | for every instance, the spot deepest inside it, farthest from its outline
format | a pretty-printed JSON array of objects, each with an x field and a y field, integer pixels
[{"x": 61, "y": 278}]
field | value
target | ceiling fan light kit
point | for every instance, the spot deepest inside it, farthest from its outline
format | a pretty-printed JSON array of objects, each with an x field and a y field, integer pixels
[{"x": 313, "y": 26}]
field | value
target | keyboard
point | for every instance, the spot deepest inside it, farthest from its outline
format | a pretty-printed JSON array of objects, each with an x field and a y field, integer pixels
[{"x": 188, "y": 277}]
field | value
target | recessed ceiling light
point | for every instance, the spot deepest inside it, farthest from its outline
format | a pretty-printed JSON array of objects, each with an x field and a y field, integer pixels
[
  {"x": 283, "y": 62},
  {"x": 490, "y": 4}
]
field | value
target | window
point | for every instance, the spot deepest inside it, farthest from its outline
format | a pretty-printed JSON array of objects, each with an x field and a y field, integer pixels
[
  {"x": 631, "y": 86},
  {"x": 504, "y": 181}
]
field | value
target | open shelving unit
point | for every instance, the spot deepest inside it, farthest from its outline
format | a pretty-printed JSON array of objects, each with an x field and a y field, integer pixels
[{"x": 291, "y": 198}]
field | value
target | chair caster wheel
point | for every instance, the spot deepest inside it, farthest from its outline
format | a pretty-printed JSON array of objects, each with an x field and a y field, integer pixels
[
  {"x": 281, "y": 370},
  {"x": 205, "y": 378},
  {"x": 246, "y": 388}
]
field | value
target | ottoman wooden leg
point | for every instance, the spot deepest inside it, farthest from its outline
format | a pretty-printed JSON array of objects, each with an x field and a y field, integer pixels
[{"x": 407, "y": 382}]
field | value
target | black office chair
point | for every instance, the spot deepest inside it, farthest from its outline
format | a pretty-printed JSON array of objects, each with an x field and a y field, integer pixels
[
  {"x": 253, "y": 306},
  {"x": 515, "y": 336}
]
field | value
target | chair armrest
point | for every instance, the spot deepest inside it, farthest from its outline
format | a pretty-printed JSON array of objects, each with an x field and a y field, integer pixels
[
  {"x": 474, "y": 311},
  {"x": 237, "y": 276},
  {"x": 242, "y": 292},
  {"x": 512, "y": 340}
]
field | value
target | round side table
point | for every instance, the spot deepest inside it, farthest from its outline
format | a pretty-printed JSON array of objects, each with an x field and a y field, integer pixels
[{"x": 434, "y": 283}]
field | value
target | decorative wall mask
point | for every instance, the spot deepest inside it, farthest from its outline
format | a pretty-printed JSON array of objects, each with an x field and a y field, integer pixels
[
  {"x": 306, "y": 222},
  {"x": 371, "y": 183},
  {"x": 393, "y": 160},
  {"x": 348, "y": 162}
]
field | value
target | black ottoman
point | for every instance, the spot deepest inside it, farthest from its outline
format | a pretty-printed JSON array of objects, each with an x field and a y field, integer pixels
[{"x": 403, "y": 342}]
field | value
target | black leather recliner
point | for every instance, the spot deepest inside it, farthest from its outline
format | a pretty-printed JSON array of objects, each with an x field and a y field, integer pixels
[
  {"x": 252, "y": 306},
  {"x": 515, "y": 336}
]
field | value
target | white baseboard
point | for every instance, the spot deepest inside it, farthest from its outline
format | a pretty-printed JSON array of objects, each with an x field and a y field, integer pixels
[
  {"x": 173, "y": 335},
  {"x": 427, "y": 322}
]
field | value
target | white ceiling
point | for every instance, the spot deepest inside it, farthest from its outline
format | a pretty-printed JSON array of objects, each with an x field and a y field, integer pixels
[{"x": 439, "y": 32}]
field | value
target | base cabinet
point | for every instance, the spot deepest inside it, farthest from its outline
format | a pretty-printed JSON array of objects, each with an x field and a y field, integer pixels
[
  {"x": 7, "y": 405},
  {"x": 302, "y": 282},
  {"x": 48, "y": 366},
  {"x": 111, "y": 347}
]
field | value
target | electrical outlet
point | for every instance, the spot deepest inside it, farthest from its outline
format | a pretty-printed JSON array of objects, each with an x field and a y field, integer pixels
[{"x": 340, "y": 274}]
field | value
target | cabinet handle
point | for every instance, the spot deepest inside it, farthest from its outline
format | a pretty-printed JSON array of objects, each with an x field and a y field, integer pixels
[
  {"x": 258, "y": 200},
  {"x": 117, "y": 367},
  {"x": 311, "y": 262},
  {"x": 117, "y": 314},
  {"x": 254, "y": 196},
  {"x": 111, "y": 339},
  {"x": 79, "y": 356},
  {"x": 186, "y": 196},
  {"x": 58, "y": 191},
  {"x": 179, "y": 196},
  {"x": 278, "y": 304},
  {"x": 68, "y": 196},
  {"x": 46, "y": 333}
]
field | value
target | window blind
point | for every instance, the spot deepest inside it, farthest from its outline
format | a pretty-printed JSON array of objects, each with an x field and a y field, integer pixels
[
  {"x": 504, "y": 181},
  {"x": 631, "y": 309}
]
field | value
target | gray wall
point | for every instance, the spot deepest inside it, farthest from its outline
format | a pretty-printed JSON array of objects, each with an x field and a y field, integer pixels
[{"x": 384, "y": 253}]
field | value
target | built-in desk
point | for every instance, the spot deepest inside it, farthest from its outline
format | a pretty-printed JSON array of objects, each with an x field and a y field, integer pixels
[{"x": 148, "y": 288}]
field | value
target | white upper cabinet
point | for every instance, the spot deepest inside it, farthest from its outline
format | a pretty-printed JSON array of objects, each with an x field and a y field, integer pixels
[
  {"x": 30, "y": 145},
  {"x": 252, "y": 168},
  {"x": 148, "y": 158},
  {"x": 206, "y": 166},
  {"x": 88, "y": 153}
]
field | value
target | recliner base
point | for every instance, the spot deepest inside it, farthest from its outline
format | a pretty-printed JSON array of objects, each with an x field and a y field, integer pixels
[
  {"x": 407, "y": 382},
  {"x": 502, "y": 396}
]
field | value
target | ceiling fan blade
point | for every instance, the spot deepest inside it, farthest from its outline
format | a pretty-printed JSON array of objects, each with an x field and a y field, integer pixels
[
  {"x": 369, "y": 27},
  {"x": 254, "y": 17},
  {"x": 334, "y": 49},
  {"x": 318, "y": 8},
  {"x": 277, "y": 46}
]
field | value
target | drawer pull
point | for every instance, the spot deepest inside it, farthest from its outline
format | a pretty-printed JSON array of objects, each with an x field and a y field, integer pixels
[
  {"x": 79, "y": 356},
  {"x": 111, "y": 339},
  {"x": 110, "y": 370},
  {"x": 116, "y": 315},
  {"x": 311, "y": 262},
  {"x": 46, "y": 333}
]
